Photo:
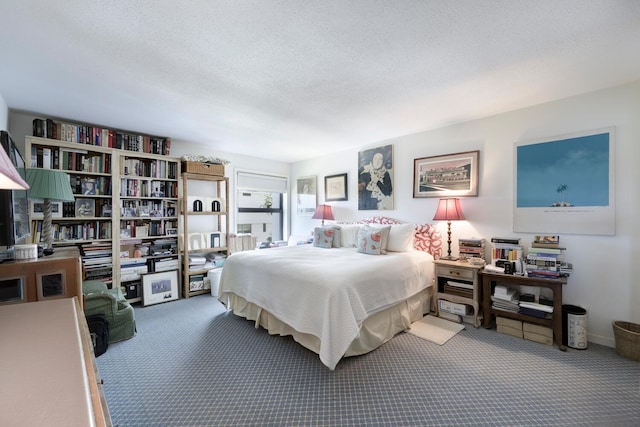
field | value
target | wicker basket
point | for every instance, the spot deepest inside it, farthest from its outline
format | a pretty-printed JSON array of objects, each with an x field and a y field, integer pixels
[
  {"x": 627, "y": 336},
  {"x": 203, "y": 168}
]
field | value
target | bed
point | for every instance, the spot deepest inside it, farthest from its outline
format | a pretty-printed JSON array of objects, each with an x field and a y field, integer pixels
[{"x": 336, "y": 300}]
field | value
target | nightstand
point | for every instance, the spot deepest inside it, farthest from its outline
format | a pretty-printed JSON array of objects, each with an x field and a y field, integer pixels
[{"x": 457, "y": 282}]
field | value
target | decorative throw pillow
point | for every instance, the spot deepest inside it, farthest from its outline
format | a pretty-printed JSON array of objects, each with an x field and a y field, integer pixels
[
  {"x": 323, "y": 237},
  {"x": 336, "y": 234},
  {"x": 385, "y": 235},
  {"x": 401, "y": 238},
  {"x": 372, "y": 239}
]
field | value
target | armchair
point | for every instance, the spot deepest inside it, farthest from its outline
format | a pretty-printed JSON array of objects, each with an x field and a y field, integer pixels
[{"x": 99, "y": 299}]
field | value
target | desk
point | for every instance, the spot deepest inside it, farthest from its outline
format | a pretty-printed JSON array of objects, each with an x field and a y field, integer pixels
[
  {"x": 489, "y": 281},
  {"x": 48, "y": 371}
]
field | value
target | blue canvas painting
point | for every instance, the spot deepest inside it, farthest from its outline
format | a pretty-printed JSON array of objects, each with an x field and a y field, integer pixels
[{"x": 569, "y": 172}]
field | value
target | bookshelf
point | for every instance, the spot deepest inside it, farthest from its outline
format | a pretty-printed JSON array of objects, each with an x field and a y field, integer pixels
[
  {"x": 205, "y": 228},
  {"x": 126, "y": 203}
]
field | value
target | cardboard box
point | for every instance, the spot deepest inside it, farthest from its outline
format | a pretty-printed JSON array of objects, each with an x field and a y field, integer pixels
[
  {"x": 452, "y": 307},
  {"x": 542, "y": 339},
  {"x": 510, "y": 323},
  {"x": 537, "y": 329},
  {"x": 510, "y": 331}
]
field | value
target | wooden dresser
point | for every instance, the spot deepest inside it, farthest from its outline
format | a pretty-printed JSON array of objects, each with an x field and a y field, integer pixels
[{"x": 48, "y": 371}]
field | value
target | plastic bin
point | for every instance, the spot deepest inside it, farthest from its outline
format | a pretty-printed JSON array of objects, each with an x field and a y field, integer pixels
[
  {"x": 214, "y": 279},
  {"x": 574, "y": 326}
]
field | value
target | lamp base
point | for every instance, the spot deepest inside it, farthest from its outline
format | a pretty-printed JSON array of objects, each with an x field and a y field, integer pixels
[
  {"x": 48, "y": 251},
  {"x": 449, "y": 258}
]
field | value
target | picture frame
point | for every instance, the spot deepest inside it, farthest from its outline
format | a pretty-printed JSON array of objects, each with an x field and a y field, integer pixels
[
  {"x": 159, "y": 287},
  {"x": 565, "y": 184},
  {"x": 335, "y": 188},
  {"x": 89, "y": 186},
  {"x": 375, "y": 178},
  {"x": 306, "y": 195},
  {"x": 36, "y": 209},
  {"x": 172, "y": 232},
  {"x": 51, "y": 285},
  {"x": 85, "y": 208},
  {"x": 448, "y": 175}
]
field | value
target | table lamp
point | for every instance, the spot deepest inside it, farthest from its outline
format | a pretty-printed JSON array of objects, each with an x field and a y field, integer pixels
[
  {"x": 48, "y": 185},
  {"x": 449, "y": 210},
  {"x": 323, "y": 212}
]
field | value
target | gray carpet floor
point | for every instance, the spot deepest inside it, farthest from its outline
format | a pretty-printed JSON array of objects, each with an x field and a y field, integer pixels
[{"x": 194, "y": 364}]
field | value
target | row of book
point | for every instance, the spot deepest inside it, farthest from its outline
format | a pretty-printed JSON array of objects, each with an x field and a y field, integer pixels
[
  {"x": 86, "y": 230},
  {"x": 144, "y": 188},
  {"x": 149, "y": 168},
  {"x": 93, "y": 135},
  {"x": 69, "y": 160}
]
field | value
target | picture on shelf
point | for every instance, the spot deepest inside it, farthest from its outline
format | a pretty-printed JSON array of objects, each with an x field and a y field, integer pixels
[
  {"x": 143, "y": 211},
  {"x": 172, "y": 231},
  {"x": 159, "y": 287},
  {"x": 85, "y": 208},
  {"x": 89, "y": 186},
  {"x": 128, "y": 212},
  {"x": 106, "y": 211},
  {"x": 37, "y": 209}
]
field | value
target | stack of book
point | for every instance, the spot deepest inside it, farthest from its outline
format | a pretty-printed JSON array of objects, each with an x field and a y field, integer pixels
[
  {"x": 505, "y": 299},
  {"x": 505, "y": 248},
  {"x": 458, "y": 288},
  {"x": 471, "y": 248},
  {"x": 546, "y": 259},
  {"x": 132, "y": 268},
  {"x": 97, "y": 261},
  {"x": 536, "y": 309}
]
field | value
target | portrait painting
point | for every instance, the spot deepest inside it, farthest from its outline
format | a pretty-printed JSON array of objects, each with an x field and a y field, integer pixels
[{"x": 375, "y": 178}]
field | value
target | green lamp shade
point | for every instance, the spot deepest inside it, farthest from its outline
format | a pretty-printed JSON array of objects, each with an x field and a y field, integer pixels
[{"x": 49, "y": 184}]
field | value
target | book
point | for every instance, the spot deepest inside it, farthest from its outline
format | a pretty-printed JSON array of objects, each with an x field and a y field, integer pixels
[{"x": 508, "y": 240}]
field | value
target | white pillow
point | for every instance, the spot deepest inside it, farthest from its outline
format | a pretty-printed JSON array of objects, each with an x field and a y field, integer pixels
[
  {"x": 401, "y": 238},
  {"x": 349, "y": 235}
]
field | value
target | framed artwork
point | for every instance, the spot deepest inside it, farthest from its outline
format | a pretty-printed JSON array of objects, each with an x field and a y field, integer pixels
[
  {"x": 172, "y": 231},
  {"x": 375, "y": 178},
  {"x": 335, "y": 188},
  {"x": 307, "y": 195},
  {"x": 85, "y": 207},
  {"x": 88, "y": 186},
  {"x": 449, "y": 175},
  {"x": 566, "y": 184},
  {"x": 36, "y": 209},
  {"x": 159, "y": 287}
]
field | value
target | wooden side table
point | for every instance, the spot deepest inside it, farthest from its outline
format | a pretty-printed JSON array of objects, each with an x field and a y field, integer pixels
[
  {"x": 489, "y": 281},
  {"x": 462, "y": 272}
]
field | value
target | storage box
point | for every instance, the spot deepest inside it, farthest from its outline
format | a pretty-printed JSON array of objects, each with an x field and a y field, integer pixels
[
  {"x": 132, "y": 290},
  {"x": 537, "y": 329},
  {"x": 510, "y": 331},
  {"x": 511, "y": 323},
  {"x": 203, "y": 168},
  {"x": 542, "y": 339},
  {"x": 452, "y": 307}
]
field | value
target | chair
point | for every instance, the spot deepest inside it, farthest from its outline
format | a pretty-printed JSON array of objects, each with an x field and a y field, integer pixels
[{"x": 99, "y": 299}]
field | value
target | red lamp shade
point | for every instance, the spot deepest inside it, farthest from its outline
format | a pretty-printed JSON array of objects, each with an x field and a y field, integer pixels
[
  {"x": 449, "y": 210},
  {"x": 323, "y": 212}
]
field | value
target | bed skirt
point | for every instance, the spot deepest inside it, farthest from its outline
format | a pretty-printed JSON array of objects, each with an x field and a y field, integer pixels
[{"x": 375, "y": 330}]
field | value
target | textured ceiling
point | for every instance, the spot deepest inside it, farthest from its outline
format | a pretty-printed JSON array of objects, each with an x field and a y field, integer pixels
[{"x": 291, "y": 80}]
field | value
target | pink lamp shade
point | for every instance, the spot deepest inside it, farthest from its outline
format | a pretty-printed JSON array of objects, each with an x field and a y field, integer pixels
[
  {"x": 9, "y": 177},
  {"x": 449, "y": 210},
  {"x": 323, "y": 212}
]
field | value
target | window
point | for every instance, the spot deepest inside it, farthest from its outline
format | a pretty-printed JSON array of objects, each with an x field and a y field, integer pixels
[{"x": 261, "y": 206}]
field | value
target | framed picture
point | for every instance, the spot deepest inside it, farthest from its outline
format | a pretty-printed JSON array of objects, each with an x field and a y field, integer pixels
[
  {"x": 85, "y": 208},
  {"x": 36, "y": 208},
  {"x": 144, "y": 211},
  {"x": 375, "y": 178},
  {"x": 449, "y": 175},
  {"x": 159, "y": 287},
  {"x": 307, "y": 199},
  {"x": 566, "y": 184},
  {"x": 88, "y": 186},
  {"x": 335, "y": 188},
  {"x": 51, "y": 285},
  {"x": 172, "y": 231}
]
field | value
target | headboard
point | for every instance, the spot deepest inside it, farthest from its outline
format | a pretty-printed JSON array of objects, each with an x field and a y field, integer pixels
[{"x": 427, "y": 238}]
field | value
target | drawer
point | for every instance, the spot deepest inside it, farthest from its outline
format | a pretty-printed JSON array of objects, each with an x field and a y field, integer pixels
[{"x": 454, "y": 272}]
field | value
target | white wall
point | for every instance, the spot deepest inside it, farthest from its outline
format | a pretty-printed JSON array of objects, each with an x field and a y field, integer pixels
[
  {"x": 605, "y": 266},
  {"x": 4, "y": 114}
]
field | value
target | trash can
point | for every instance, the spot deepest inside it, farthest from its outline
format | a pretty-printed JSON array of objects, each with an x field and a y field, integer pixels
[
  {"x": 214, "y": 280},
  {"x": 574, "y": 326}
]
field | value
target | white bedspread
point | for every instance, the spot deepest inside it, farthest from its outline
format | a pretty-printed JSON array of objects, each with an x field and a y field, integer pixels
[{"x": 325, "y": 292}]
